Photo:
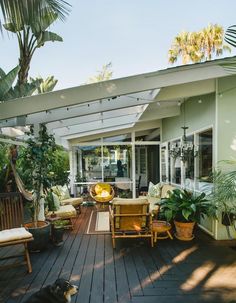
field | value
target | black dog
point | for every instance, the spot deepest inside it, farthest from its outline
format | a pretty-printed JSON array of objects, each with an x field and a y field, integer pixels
[{"x": 60, "y": 292}]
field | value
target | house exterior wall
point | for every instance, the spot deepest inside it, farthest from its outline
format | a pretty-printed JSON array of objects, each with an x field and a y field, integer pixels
[
  {"x": 226, "y": 133},
  {"x": 218, "y": 110},
  {"x": 197, "y": 116}
]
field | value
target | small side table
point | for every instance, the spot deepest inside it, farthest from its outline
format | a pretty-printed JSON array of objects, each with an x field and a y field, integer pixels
[{"x": 163, "y": 229}]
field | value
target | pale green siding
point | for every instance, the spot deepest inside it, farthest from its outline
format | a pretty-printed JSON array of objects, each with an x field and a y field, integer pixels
[
  {"x": 197, "y": 116},
  {"x": 226, "y": 136}
]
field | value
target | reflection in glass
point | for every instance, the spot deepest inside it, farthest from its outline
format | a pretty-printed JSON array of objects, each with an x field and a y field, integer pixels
[{"x": 176, "y": 166}]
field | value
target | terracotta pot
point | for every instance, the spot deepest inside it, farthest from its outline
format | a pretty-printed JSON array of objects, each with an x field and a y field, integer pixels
[
  {"x": 184, "y": 231},
  {"x": 41, "y": 235}
]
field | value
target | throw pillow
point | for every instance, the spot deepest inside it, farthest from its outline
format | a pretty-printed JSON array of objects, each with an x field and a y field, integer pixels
[
  {"x": 56, "y": 201},
  {"x": 65, "y": 192},
  {"x": 154, "y": 190}
]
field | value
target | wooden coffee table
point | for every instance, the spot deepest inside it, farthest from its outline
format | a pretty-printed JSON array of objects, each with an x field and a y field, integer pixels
[{"x": 161, "y": 230}]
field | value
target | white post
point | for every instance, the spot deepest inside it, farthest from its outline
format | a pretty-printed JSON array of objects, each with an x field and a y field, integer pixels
[{"x": 133, "y": 164}]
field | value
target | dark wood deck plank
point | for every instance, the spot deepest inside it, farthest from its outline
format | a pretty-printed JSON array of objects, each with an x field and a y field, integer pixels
[
  {"x": 110, "y": 295},
  {"x": 87, "y": 273},
  {"x": 197, "y": 271},
  {"x": 97, "y": 289}
]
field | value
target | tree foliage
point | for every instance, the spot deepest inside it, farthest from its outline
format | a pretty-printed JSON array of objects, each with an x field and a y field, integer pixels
[
  {"x": 102, "y": 75},
  {"x": 198, "y": 46}
]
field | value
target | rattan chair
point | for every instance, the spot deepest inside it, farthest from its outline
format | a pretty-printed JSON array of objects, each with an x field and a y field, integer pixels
[
  {"x": 102, "y": 193},
  {"x": 130, "y": 218}
]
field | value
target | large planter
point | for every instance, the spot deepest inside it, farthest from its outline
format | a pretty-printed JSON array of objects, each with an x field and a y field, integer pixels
[
  {"x": 41, "y": 235},
  {"x": 184, "y": 231}
]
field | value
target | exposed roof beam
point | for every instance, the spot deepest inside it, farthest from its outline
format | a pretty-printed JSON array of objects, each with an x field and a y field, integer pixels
[
  {"x": 113, "y": 88},
  {"x": 186, "y": 90},
  {"x": 140, "y": 126}
]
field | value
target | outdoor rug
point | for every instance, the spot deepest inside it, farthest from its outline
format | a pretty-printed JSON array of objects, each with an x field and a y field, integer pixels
[{"x": 98, "y": 223}]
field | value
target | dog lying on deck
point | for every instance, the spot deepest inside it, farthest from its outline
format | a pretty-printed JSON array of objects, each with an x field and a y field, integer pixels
[{"x": 60, "y": 292}]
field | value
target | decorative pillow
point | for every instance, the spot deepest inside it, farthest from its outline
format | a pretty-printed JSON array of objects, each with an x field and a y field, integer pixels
[
  {"x": 56, "y": 201},
  {"x": 154, "y": 190},
  {"x": 58, "y": 191},
  {"x": 65, "y": 192}
]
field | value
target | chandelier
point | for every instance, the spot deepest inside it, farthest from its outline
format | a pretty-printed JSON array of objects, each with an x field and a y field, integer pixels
[{"x": 183, "y": 149}]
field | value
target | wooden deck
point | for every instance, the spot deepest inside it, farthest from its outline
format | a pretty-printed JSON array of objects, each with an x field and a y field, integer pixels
[{"x": 172, "y": 271}]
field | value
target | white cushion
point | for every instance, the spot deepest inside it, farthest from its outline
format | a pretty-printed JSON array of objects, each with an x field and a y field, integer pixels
[
  {"x": 72, "y": 201},
  {"x": 14, "y": 234}
]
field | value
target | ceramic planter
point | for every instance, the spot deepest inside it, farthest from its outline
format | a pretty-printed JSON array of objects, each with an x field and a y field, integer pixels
[
  {"x": 184, "y": 231},
  {"x": 41, "y": 235}
]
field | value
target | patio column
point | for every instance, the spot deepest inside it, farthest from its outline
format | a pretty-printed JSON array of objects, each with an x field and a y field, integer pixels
[
  {"x": 133, "y": 175},
  {"x": 73, "y": 170}
]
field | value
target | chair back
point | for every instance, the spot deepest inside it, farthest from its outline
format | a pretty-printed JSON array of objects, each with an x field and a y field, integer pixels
[
  {"x": 131, "y": 214},
  {"x": 11, "y": 211}
]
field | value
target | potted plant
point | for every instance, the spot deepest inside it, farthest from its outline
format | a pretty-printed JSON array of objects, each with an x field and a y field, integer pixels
[
  {"x": 58, "y": 229},
  {"x": 185, "y": 208},
  {"x": 37, "y": 156}
]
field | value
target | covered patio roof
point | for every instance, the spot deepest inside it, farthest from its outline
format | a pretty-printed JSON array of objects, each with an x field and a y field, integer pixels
[{"x": 134, "y": 102}]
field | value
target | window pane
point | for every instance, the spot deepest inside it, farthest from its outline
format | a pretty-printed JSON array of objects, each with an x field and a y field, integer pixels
[
  {"x": 175, "y": 165},
  {"x": 189, "y": 166},
  {"x": 205, "y": 161}
]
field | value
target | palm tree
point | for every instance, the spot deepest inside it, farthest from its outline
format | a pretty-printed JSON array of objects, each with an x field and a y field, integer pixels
[
  {"x": 211, "y": 41},
  {"x": 30, "y": 37},
  {"x": 198, "y": 46},
  {"x": 102, "y": 75},
  {"x": 24, "y": 11}
]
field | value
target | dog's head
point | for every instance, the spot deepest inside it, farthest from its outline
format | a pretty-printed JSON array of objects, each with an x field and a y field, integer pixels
[{"x": 65, "y": 288}]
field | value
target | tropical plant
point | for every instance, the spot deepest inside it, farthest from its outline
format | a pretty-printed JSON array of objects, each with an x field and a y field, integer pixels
[
  {"x": 223, "y": 194},
  {"x": 198, "y": 46},
  {"x": 31, "y": 36},
  {"x": 37, "y": 158},
  {"x": 26, "y": 11},
  {"x": 46, "y": 85},
  {"x": 185, "y": 206},
  {"x": 4, "y": 163},
  {"x": 230, "y": 35}
]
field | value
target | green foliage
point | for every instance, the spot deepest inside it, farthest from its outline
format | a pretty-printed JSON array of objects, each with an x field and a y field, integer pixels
[
  {"x": 57, "y": 167},
  {"x": 6, "y": 81},
  {"x": 230, "y": 35},
  {"x": 4, "y": 162},
  {"x": 37, "y": 156},
  {"x": 31, "y": 35},
  {"x": 61, "y": 223},
  {"x": 185, "y": 206},
  {"x": 223, "y": 194}
]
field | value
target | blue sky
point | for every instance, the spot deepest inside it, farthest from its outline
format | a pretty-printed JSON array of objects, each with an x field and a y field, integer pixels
[{"x": 134, "y": 35}]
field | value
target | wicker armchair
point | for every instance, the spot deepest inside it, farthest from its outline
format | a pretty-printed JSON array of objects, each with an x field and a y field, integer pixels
[
  {"x": 102, "y": 193},
  {"x": 130, "y": 218}
]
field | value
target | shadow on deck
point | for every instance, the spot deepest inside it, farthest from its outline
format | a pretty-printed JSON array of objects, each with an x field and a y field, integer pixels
[{"x": 172, "y": 271}]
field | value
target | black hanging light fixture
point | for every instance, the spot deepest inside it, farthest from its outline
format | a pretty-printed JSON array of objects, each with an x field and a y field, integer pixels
[{"x": 183, "y": 149}]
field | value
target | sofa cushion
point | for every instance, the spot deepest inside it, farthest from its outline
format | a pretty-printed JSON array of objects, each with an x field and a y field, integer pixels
[
  {"x": 72, "y": 201},
  {"x": 65, "y": 211}
]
